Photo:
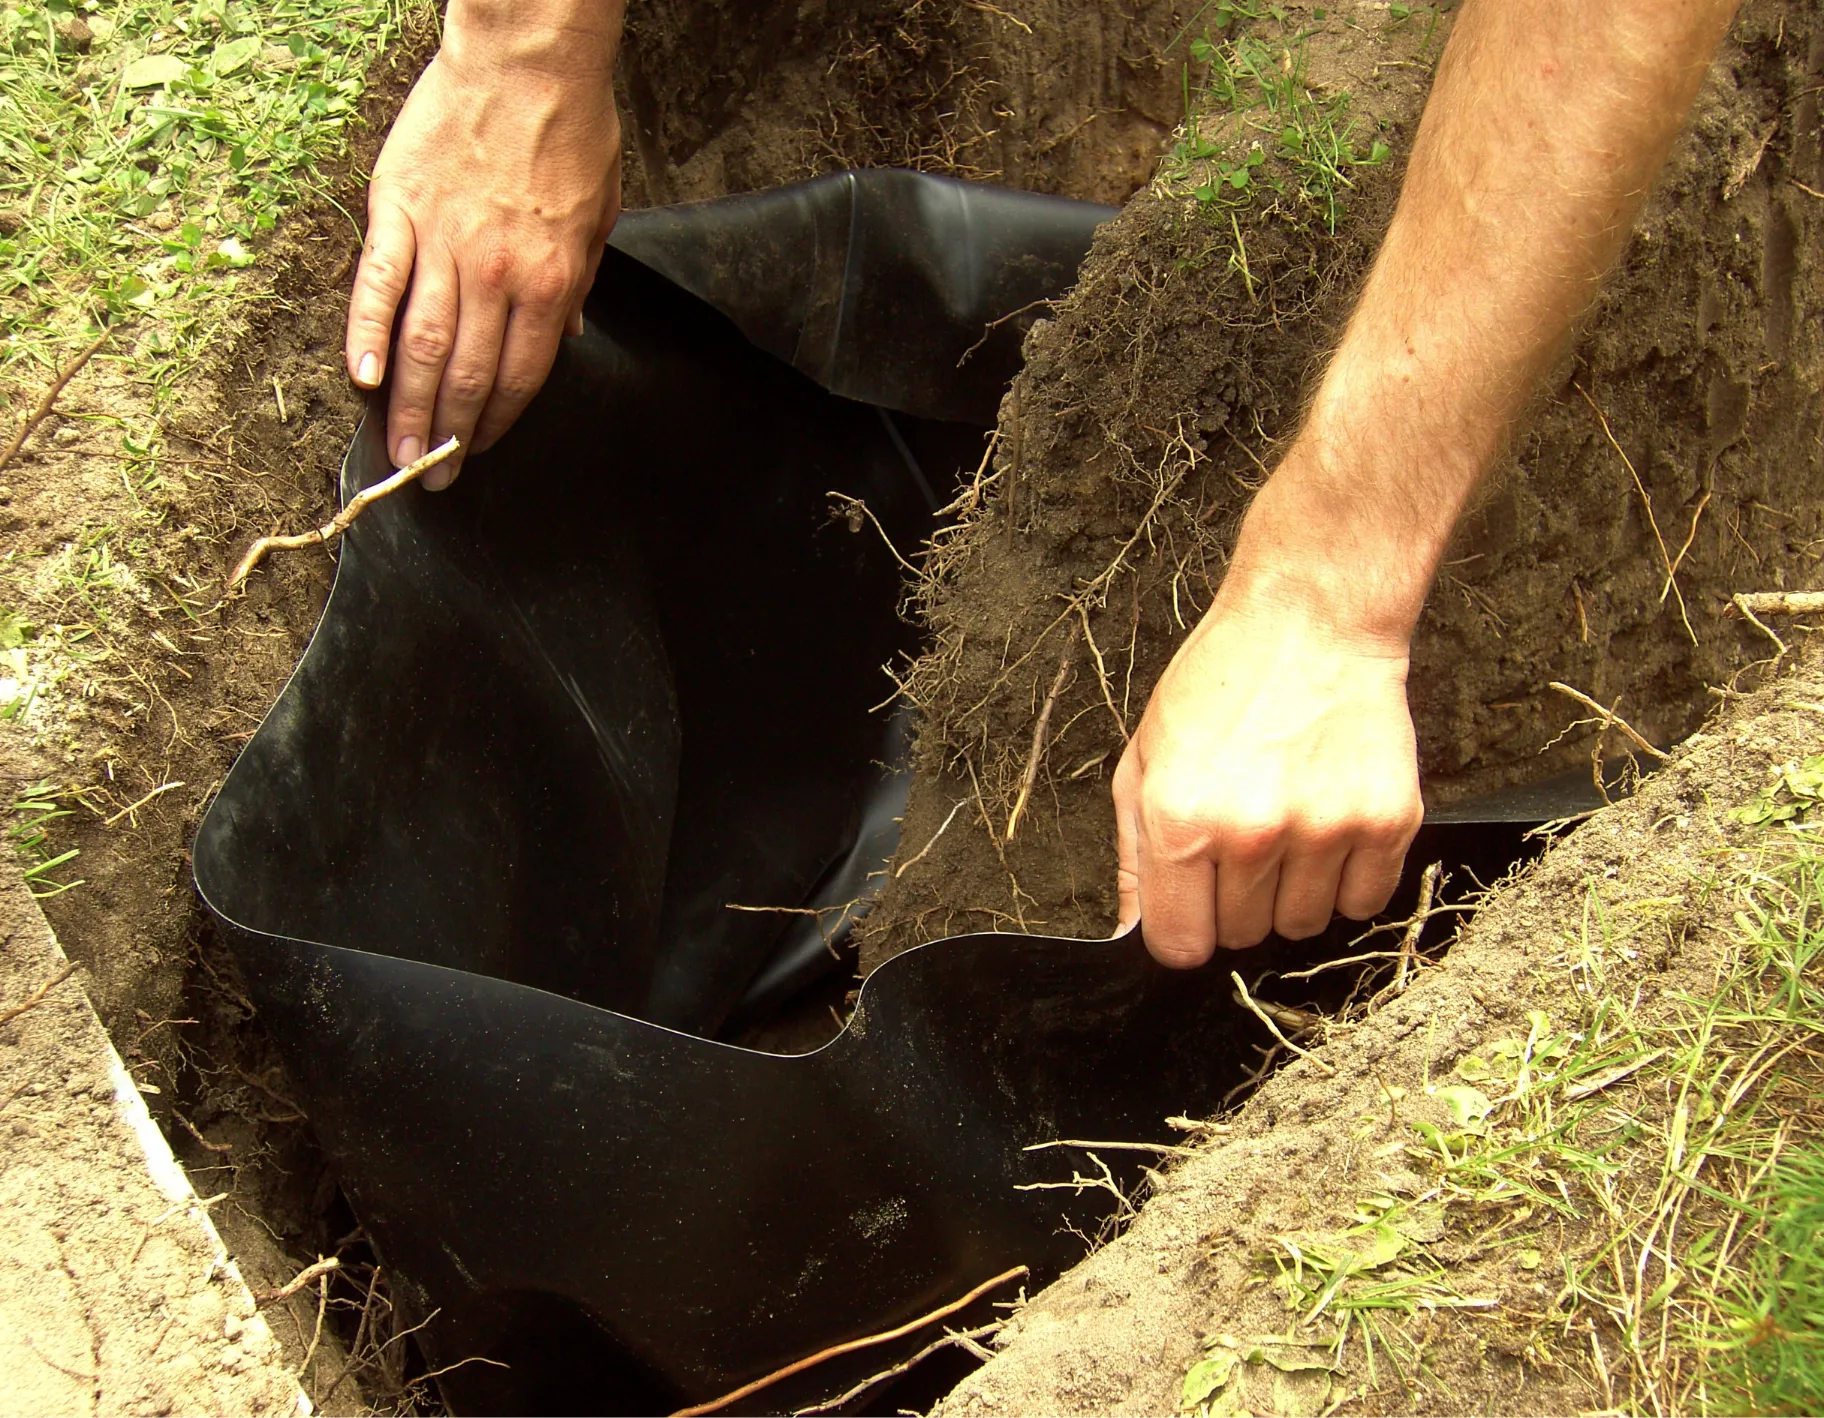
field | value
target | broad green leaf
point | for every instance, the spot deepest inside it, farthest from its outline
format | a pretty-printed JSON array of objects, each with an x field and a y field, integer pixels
[
  {"x": 1469, "y": 1107},
  {"x": 151, "y": 70},
  {"x": 234, "y": 54},
  {"x": 1207, "y": 1376},
  {"x": 1472, "y": 1069}
]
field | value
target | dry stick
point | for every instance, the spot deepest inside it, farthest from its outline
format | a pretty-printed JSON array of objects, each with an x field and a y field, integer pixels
[
  {"x": 1248, "y": 1000},
  {"x": 951, "y": 1337},
  {"x": 850, "y": 1346},
  {"x": 1646, "y": 502},
  {"x": 37, "y": 999},
  {"x": 1610, "y": 717},
  {"x": 45, "y": 405},
  {"x": 1779, "y": 602},
  {"x": 1166, "y": 1148},
  {"x": 323, "y": 1266},
  {"x": 1036, "y": 754},
  {"x": 344, "y": 519},
  {"x": 1016, "y": 440},
  {"x": 135, "y": 807},
  {"x": 1409, "y": 943},
  {"x": 316, "y": 1337}
]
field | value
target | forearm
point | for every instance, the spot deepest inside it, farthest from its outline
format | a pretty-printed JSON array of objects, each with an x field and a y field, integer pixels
[
  {"x": 564, "y": 38},
  {"x": 1546, "y": 126}
]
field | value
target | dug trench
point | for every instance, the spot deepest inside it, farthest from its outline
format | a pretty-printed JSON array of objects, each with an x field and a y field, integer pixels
[{"x": 1672, "y": 460}]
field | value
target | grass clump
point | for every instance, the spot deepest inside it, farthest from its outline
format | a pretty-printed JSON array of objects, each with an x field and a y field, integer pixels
[
  {"x": 146, "y": 146},
  {"x": 33, "y": 810},
  {"x": 1775, "y": 1311},
  {"x": 1629, "y": 1188},
  {"x": 1257, "y": 131}
]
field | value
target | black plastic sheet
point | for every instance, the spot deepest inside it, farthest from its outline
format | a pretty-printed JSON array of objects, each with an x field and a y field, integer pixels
[{"x": 478, "y": 863}]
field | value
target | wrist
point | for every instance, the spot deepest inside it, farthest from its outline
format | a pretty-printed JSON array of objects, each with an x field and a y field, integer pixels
[
  {"x": 1327, "y": 546},
  {"x": 576, "y": 39}
]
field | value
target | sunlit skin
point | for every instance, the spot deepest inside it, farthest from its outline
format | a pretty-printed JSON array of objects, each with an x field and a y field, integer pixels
[
  {"x": 1273, "y": 780},
  {"x": 487, "y": 215}
]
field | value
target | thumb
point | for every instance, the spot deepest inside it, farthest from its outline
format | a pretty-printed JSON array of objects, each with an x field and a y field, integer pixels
[{"x": 1127, "y": 848}]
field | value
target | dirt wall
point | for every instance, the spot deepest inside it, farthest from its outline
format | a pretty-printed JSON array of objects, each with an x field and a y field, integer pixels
[
  {"x": 1151, "y": 407},
  {"x": 1045, "y": 95}
]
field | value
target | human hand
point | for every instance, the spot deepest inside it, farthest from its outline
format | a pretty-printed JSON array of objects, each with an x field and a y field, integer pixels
[
  {"x": 487, "y": 215},
  {"x": 1272, "y": 782}
]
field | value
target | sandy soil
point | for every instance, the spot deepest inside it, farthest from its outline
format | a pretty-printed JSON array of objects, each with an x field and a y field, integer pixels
[{"x": 116, "y": 1293}]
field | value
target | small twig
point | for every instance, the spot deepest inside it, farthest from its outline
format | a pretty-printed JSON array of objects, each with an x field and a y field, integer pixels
[
  {"x": 1161, "y": 1147},
  {"x": 49, "y": 401},
  {"x": 204, "y": 1203},
  {"x": 1016, "y": 442},
  {"x": 1254, "y": 1078},
  {"x": 316, "y": 1337},
  {"x": 1247, "y": 999},
  {"x": 323, "y": 1266},
  {"x": 850, "y": 1346},
  {"x": 988, "y": 9},
  {"x": 216, "y": 1147},
  {"x": 951, "y": 1337},
  {"x": 855, "y": 504},
  {"x": 472, "y": 1359},
  {"x": 135, "y": 807},
  {"x": 1611, "y": 718},
  {"x": 344, "y": 519},
  {"x": 817, "y": 913},
  {"x": 1409, "y": 943},
  {"x": 912, "y": 861},
  {"x": 1683, "y": 551},
  {"x": 996, "y": 324},
  {"x": 39, "y": 997},
  {"x": 1036, "y": 754},
  {"x": 1646, "y": 502}
]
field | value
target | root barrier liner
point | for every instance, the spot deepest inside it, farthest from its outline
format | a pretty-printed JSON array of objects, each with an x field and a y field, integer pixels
[{"x": 478, "y": 862}]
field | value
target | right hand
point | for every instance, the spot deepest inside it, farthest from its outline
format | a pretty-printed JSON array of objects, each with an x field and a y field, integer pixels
[
  {"x": 1272, "y": 783},
  {"x": 487, "y": 215}
]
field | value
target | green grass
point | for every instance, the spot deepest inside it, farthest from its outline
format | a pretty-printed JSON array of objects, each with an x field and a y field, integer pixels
[
  {"x": 138, "y": 178},
  {"x": 1660, "y": 1171},
  {"x": 32, "y": 813},
  {"x": 1775, "y": 1312},
  {"x": 1256, "y": 132}
]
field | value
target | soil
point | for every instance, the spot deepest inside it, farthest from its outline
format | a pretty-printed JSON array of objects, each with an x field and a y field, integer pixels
[
  {"x": 1153, "y": 400},
  {"x": 116, "y": 1295},
  {"x": 1061, "y": 97},
  {"x": 1703, "y": 355}
]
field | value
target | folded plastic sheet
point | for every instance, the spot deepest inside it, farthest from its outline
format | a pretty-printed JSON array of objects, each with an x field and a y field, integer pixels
[{"x": 479, "y": 862}]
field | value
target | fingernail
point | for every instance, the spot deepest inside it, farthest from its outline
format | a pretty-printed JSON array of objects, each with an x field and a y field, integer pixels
[
  {"x": 411, "y": 449},
  {"x": 438, "y": 478},
  {"x": 367, "y": 373}
]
